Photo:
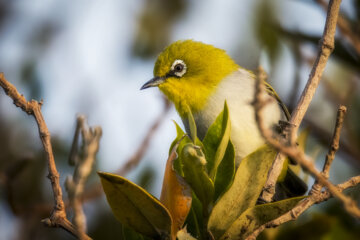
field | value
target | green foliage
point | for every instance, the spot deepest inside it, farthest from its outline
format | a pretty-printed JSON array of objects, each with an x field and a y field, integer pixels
[
  {"x": 223, "y": 205},
  {"x": 258, "y": 215},
  {"x": 225, "y": 172},
  {"x": 194, "y": 169},
  {"x": 244, "y": 191},
  {"x": 136, "y": 208},
  {"x": 216, "y": 141}
]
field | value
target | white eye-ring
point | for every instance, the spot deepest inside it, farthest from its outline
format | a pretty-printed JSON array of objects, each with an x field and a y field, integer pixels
[{"x": 178, "y": 68}]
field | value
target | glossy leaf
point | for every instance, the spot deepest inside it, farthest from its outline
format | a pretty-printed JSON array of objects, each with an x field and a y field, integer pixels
[
  {"x": 258, "y": 215},
  {"x": 216, "y": 141},
  {"x": 225, "y": 172},
  {"x": 175, "y": 194},
  {"x": 249, "y": 179},
  {"x": 194, "y": 221},
  {"x": 193, "y": 165},
  {"x": 136, "y": 208}
]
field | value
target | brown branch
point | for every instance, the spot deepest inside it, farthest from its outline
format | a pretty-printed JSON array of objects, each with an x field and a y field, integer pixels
[
  {"x": 335, "y": 140},
  {"x": 323, "y": 136},
  {"x": 58, "y": 214},
  {"x": 325, "y": 48},
  {"x": 295, "y": 153},
  {"x": 83, "y": 166},
  {"x": 344, "y": 27},
  {"x": 301, "y": 207},
  {"x": 334, "y": 146}
]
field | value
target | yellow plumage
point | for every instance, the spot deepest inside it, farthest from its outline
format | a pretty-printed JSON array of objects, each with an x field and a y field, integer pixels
[
  {"x": 200, "y": 77},
  {"x": 207, "y": 67}
]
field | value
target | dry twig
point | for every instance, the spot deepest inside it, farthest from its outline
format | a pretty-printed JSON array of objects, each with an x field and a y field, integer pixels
[
  {"x": 326, "y": 46},
  {"x": 301, "y": 207},
  {"x": 83, "y": 162},
  {"x": 345, "y": 28},
  {"x": 295, "y": 153},
  {"x": 58, "y": 214}
]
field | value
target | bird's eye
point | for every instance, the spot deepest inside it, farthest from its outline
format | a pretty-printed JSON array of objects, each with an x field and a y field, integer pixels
[{"x": 178, "y": 67}]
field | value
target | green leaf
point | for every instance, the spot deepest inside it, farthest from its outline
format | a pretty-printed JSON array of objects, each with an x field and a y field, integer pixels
[
  {"x": 258, "y": 215},
  {"x": 216, "y": 141},
  {"x": 225, "y": 172},
  {"x": 136, "y": 208},
  {"x": 179, "y": 134},
  {"x": 192, "y": 124},
  {"x": 193, "y": 165},
  {"x": 194, "y": 222},
  {"x": 249, "y": 179}
]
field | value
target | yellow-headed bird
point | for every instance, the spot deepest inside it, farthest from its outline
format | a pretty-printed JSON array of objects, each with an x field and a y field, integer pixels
[{"x": 202, "y": 77}]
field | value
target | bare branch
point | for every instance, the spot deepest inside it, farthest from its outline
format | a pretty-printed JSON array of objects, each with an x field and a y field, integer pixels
[
  {"x": 345, "y": 28},
  {"x": 334, "y": 146},
  {"x": 295, "y": 153},
  {"x": 325, "y": 48},
  {"x": 83, "y": 164},
  {"x": 58, "y": 214},
  {"x": 301, "y": 207}
]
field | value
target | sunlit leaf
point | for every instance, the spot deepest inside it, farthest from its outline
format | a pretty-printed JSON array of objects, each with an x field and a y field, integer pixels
[
  {"x": 136, "y": 208},
  {"x": 175, "y": 194},
  {"x": 216, "y": 141},
  {"x": 249, "y": 179},
  {"x": 193, "y": 165},
  {"x": 258, "y": 215}
]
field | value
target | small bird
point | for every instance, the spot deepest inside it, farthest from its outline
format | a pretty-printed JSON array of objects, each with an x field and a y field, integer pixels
[{"x": 201, "y": 77}]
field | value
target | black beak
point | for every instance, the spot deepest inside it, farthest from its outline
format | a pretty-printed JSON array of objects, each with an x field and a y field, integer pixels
[{"x": 153, "y": 82}]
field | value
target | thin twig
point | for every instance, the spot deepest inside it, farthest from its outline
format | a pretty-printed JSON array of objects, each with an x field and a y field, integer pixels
[
  {"x": 301, "y": 207},
  {"x": 83, "y": 164},
  {"x": 58, "y": 214},
  {"x": 334, "y": 146},
  {"x": 345, "y": 28},
  {"x": 325, "y": 48},
  {"x": 295, "y": 153}
]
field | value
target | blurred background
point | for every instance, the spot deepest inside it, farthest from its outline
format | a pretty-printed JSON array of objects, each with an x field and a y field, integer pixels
[{"x": 91, "y": 57}]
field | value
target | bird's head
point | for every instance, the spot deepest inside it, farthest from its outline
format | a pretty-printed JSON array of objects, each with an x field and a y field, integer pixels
[{"x": 187, "y": 72}]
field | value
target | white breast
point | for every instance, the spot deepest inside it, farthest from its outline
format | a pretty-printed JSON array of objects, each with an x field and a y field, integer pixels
[{"x": 238, "y": 91}]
